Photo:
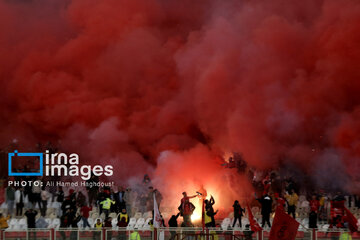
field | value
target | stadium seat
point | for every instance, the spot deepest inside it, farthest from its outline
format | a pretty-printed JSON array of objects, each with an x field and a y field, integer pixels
[
  {"x": 113, "y": 215},
  {"x": 325, "y": 226},
  {"x": 138, "y": 215},
  {"x": 140, "y": 223},
  {"x": 146, "y": 225},
  {"x": 55, "y": 205},
  {"x": 114, "y": 222},
  {"x": 102, "y": 216},
  {"x": 94, "y": 215},
  {"x": 91, "y": 222},
  {"x": 80, "y": 224},
  {"x": 147, "y": 214},
  {"x": 3, "y": 205},
  {"x": 49, "y": 222},
  {"x": 305, "y": 204},
  {"x": 225, "y": 223},
  {"x": 22, "y": 223},
  {"x": 244, "y": 221},
  {"x": 56, "y": 223},
  {"x": 132, "y": 223},
  {"x": 302, "y": 198},
  {"x": 13, "y": 223}
]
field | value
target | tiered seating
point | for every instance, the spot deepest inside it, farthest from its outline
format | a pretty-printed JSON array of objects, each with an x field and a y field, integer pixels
[{"x": 225, "y": 223}]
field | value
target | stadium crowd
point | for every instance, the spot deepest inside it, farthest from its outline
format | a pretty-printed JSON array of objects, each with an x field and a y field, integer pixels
[{"x": 75, "y": 206}]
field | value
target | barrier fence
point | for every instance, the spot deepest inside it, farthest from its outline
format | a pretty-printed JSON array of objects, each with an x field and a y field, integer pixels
[{"x": 160, "y": 234}]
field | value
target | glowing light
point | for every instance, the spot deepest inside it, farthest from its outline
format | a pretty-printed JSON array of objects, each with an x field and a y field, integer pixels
[{"x": 196, "y": 216}]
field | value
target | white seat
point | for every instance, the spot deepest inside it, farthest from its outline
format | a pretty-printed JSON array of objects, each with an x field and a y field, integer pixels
[
  {"x": 55, "y": 205},
  {"x": 244, "y": 221},
  {"x": 22, "y": 223},
  {"x": 3, "y": 205},
  {"x": 91, "y": 222},
  {"x": 94, "y": 215},
  {"x": 225, "y": 226},
  {"x": 326, "y": 226},
  {"x": 140, "y": 223},
  {"x": 114, "y": 222},
  {"x": 305, "y": 204},
  {"x": 138, "y": 215},
  {"x": 13, "y": 223},
  {"x": 302, "y": 198},
  {"x": 147, "y": 214},
  {"x": 55, "y": 223},
  {"x": 227, "y": 220},
  {"x": 48, "y": 220},
  {"x": 132, "y": 222}
]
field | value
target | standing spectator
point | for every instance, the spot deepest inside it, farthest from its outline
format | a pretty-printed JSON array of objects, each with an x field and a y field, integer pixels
[
  {"x": 292, "y": 200},
  {"x": 266, "y": 207},
  {"x": 106, "y": 205},
  {"x": 10, "y": 199},
  {"x": 85, "y": 215},
  {"x": 129, "y": 200},
  {"x": 238, "y": 213},
  {"x": 74, "y": 225},
  {"x": 173, "y": 224},
  {"x": 150, "y": 199},
  {"x": 209, "y": 212},
  {"x": 45, "y": 195},
  {"x": 92, "y": 189},
  {"x": 69, "y": 203},
  {"x": 60, "y": 195},
  {"x": 19, "y": 200},
  {"x": 120, "y": 199},
  {"x": 314, "y": 208},
  {"x": 36, "y": 194},
  {"x": 60, "y": 199},
  {"x": 3, "y": 221},
  {"x": 30, "y": 215},
  {"x": 322, "y": 211},
  {"x": 209, "y": 217},
  {"x": 142, "y": 203},
  {"x": 65, "y": 222},
  {"x": 28, "y": 192},
  {"x": 81, "y": 199}
]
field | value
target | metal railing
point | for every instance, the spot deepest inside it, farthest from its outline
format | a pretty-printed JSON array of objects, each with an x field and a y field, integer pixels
[{"x": 161, "y": 234}]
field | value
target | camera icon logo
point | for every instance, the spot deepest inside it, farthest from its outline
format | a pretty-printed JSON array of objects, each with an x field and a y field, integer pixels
[{"x": 32, "y": 154}]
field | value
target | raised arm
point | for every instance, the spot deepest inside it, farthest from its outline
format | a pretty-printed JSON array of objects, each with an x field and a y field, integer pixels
[{"x": 212, "y": 200}]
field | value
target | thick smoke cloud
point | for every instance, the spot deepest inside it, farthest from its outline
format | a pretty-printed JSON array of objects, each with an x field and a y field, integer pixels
[{"x": 146, "y": 84}]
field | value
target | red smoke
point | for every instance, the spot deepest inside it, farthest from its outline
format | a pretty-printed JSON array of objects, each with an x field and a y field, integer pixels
[{"x": 128, "y": 81}]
